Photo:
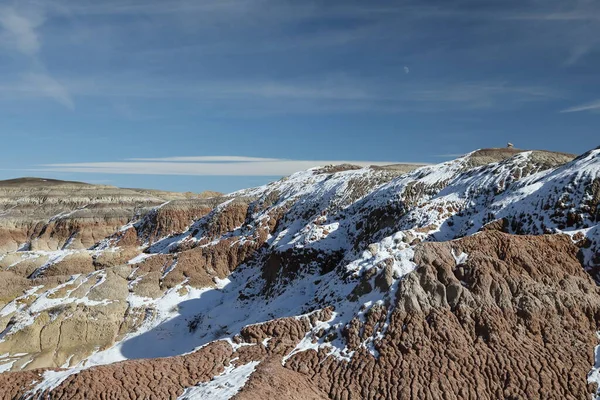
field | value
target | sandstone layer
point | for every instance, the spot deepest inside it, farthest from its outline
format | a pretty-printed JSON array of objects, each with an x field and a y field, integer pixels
[{"x": 46, "y": 214}]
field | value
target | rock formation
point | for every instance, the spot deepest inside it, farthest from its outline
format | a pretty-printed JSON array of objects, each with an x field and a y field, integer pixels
[
  {"x": 472, "y": 278},
  {"x": 46, "y": 214}
]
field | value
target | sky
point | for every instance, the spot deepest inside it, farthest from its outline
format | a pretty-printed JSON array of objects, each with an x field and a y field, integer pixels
[{"x": 193, "y": 95}]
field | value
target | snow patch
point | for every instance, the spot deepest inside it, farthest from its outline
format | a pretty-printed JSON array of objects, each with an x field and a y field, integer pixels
[
  {"x": 222, "y": 387},
  {"x": 51, "y": 380},
  {"x": 460, "y": 258},
  {"x": 7, "y": 366},
  {"x": 594, "y": 374}
]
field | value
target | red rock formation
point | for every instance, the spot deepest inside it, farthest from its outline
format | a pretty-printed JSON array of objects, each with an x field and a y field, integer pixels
[{"x": 516, "y": 320}]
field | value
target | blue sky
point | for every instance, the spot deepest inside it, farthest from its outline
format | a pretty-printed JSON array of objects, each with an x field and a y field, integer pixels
[{"x": 225, "y": 94}]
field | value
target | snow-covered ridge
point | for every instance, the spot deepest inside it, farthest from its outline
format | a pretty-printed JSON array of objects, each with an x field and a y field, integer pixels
[{"x": 365, "y": 222}]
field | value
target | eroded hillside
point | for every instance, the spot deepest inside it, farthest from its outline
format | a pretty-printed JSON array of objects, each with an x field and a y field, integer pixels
[{"x": 467, "y": 279}]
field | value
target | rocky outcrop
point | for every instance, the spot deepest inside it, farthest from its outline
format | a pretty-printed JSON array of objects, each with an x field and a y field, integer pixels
[
  {"x": 167, "y": 378},
  {"x": 46, "y": 214},
  {"x": 516, "y": 320},
  {"x": 339, "y": 282},
  {"x": 151, "y": 379},
  {"x": 273, "y": 381},
  {"x": 74, "y": 319},
  {"x": 172, "y": 218},
  {"x": 11, "y": 286},
  {"x": 546, "y": 159}
]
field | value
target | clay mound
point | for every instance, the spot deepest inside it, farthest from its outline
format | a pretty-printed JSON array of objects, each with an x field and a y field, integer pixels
[
  {"x": 488, "y": 156},
  {"x": 273, "y": 381},
  {"x": 49, "y": 214},
  {"x": 207, "y": 194},
  {"x": 332, "y": 169},
  {"x": 142, "y": 379},
  {"x": 516, "y": 320},
  {"x": 39, "y": 182},
  {"x": 398, "y": 168}
]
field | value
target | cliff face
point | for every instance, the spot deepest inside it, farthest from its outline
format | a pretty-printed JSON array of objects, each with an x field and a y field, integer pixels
[
  {"x": 46, "y": 214},
  {"x": 468, "y": 279}
]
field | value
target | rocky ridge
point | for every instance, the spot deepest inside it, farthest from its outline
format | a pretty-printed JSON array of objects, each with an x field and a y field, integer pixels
[
  {"x": 47, "y": 214},
  {"x": 465, "y": 279}
]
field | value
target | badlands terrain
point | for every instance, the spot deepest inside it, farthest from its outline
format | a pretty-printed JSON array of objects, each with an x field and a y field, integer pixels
[{"x": 471, "y": 279}]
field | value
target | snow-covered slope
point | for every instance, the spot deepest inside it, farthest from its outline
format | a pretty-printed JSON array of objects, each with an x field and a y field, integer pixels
[{"x": 337, "y": 239}]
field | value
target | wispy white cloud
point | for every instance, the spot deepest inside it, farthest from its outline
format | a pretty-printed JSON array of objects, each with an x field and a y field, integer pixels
[
  {"x": 578, "y": 15},
  {"x": 43, "y": 85},
  {"x": 36, "y": 85},
  {"x": 207, "y": 159},
  {"x": 249, "y": 22},
  {"x": 578, "y": 20},
  {"x": 129, "y": 7},
  {"x": 315, "y": 95},
  {"x": 594, "y": 106},
  {"x": 202, "y": 165},
  {"x": 268, "y": 9},
  {"x": 481, "y": 95},
  {"x": 154, "y": 87},
  {"x": 19, "y": 31}
]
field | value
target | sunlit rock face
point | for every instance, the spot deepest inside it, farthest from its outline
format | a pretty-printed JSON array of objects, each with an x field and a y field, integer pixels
[
  {"x": 473, "y": 278},
  {"x": 46, "y": 214}
]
